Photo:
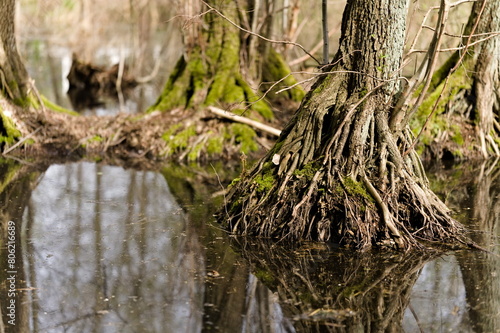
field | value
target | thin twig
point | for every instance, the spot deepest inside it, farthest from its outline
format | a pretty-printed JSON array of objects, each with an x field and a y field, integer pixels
[
  {"x": 458, "y": 48},
  {"x": 313, "y": 50},
  {"x": 324, "y": 18},
  {"x": 21, "y": 141}
]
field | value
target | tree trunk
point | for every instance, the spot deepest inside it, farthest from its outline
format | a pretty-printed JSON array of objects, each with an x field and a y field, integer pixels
[
  {"x": 14, "y": 77},
  {"x": 338, "y": 172},
  {"x": 209, "y": 73},
  {"x": 217, "y": 70},
  {"x": 467, "y": 93}
]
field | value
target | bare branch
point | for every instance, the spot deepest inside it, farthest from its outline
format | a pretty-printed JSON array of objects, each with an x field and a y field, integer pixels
[
  {"x": 459, "y": 48},
  {"x": 400, "y": 114}
]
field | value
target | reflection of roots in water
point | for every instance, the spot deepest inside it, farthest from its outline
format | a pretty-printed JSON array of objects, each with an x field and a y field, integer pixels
[{"x": 337, "y": 290}]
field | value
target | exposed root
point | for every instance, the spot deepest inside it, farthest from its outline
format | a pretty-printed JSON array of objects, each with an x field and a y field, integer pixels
[{"x": 386, "y": 215}]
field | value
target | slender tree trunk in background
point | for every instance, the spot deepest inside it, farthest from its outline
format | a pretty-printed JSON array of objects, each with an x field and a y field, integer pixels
[
  {"x": 14, "y": 77},
  {"x": 339, "y": 172},
  {"x": 486, "y": 76},
  {"x": 470, "y": 97},
  {"x": 290, "y": 29}
]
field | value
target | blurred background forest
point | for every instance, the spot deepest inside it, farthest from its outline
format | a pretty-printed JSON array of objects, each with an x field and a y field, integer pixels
[{"x": 147, "y": 36}]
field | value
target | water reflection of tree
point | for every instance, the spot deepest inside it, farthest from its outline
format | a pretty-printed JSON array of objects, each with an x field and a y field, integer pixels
[
  {"x": 226, "y": 273},
  {"x": 16, "y": 185},
  {"x": 328, "y": 290},
  {"x": 475, "y": 194},
  {"x": 121, "y": 253}
]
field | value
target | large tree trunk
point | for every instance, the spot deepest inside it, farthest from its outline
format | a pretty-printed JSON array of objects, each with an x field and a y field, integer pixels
[
  {"x": 14, "y": 77},
  {"x": 222, "y": 66},
  {"x": 210, "y": 72},
  {"x": 339, "y": 172},
  {"x": 466, "y": 90}
]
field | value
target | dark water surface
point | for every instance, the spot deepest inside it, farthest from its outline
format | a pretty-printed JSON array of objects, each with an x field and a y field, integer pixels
[{"x": 103, "y": 249}]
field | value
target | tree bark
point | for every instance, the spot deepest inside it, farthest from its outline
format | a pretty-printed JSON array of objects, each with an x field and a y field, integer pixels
[
  {"x": 465, "y": 90},
  {"x": 14, "y": 77},
  {"x": 338, "y": 172},
  {"x": 218, "y": 69}
]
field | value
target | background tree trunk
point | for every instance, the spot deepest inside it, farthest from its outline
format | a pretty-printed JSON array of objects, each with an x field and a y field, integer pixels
[
  {"x": 469, "y": 98},
  {"x": 211, "y": 72},
  {"x": 14, "y": 77},
  {"x": 338, "y": 172},
  {"x": 218, "y": 69}
]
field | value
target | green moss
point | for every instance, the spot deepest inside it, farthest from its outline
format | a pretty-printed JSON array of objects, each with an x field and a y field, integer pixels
[
  {"x": 9, "y": 172},
  {"x": 234, "y": 181},
  {"x": 308, "y": 171},
  {"x": 181, "y": 140},
  {"x": 440, "y": 75},
  {"x": 496, "y": 138},
  {"x": 225, "y": 58},
  {"x": 264, "y": 181},
  {"x": 215, "y": 144},
  {"x": 245, "y": 136},
  {"x": 95, "y": 138},
  {"x": 171, "y": 131},
  {"x": 57, "y": 108},
  {"x": 355, "y": 188},
  {"x": 233, "y": 93},
  {"x": 194, "y": 153},
  {"x": 441, "y": 95},
  {"x": 275, "y": 68},
  {"x": 457, "y": 135},
  {"x": 8, "y": 131},
  {"x": 174, "y": 92},
  {"x": 265, "y": 277},
  {"x": 178, "y": 141},
  {"x": 256, "y": 102},
  {"x": 458, "y": 153}
]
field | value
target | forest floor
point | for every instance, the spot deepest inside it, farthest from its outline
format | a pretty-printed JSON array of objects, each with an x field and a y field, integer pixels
[{"x": 122, "y": 139}]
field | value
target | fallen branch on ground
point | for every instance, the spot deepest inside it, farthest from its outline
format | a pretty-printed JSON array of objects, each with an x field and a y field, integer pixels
[{"x": 244, "y": 120}]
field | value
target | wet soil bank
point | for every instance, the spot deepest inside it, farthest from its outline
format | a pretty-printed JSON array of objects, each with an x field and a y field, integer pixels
[{"x": 138, "y": 139}]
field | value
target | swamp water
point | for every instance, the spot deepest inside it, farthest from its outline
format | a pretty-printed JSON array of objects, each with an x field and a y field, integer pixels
[{"x": 106, "y": 249}]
